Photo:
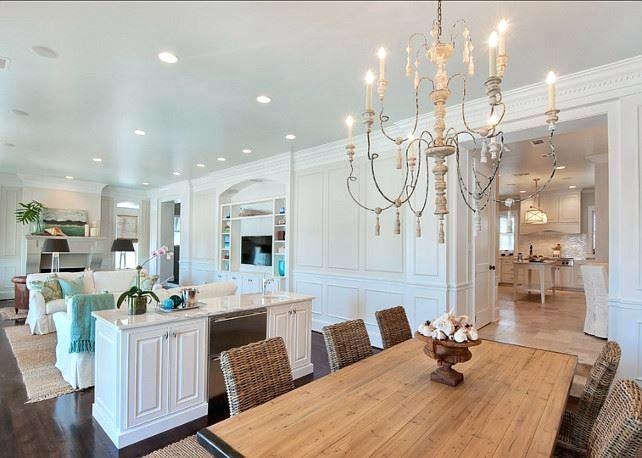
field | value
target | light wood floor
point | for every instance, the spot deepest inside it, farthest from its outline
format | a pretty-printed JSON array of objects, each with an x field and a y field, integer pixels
[{"x": 557, "y": 325}]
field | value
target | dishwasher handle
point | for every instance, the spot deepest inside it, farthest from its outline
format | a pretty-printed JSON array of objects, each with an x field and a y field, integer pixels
[{"x": 220, "y": 320}]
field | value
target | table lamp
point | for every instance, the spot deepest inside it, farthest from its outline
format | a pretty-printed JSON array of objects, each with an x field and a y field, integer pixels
[
  {"x": 122, "y": 246},
  {"x": 55, "y": 246}
]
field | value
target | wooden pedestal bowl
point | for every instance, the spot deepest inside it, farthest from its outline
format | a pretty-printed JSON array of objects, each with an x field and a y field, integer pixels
[{"x": 447, "y": 353}]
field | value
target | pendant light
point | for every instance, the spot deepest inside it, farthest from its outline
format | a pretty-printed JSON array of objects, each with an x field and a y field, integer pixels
[{"x": 534, "y": 215}]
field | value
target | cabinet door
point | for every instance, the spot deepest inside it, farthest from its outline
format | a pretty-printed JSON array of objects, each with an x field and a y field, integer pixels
[
  {"x": 569, "y": 208},
  {"x": 279, "y": 324},
  {"x": 222, "y": 276},
  {"x": 565, "y": 277},
  {"x": 549, "y": 203},
  {"x": 147, "y": 375},
  {"x": 187, "y": 346},
  {"x": 300, "y": 335},
  {"x": 238, "y": 279}
]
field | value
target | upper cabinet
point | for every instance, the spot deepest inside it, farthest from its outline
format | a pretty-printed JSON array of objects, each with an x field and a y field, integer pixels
[{"x": 563, "y": 210}]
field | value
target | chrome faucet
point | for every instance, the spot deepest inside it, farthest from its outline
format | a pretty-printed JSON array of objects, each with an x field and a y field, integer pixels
[{"x": 265, "y": 282}]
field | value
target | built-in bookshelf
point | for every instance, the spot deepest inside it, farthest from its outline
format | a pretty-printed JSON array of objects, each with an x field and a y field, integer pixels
[{"x": 257, "y": 217}]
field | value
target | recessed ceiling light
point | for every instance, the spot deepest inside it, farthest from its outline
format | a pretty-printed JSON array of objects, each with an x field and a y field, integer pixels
[
  {"x": 263, "y": 99},
  {"x": 9, "y": 145},
  {"x": 522, "y": 192},
  {"x": 43, "y": 51},
  {"x": 140, "y": 132},
  {"x": 222, "y": 159},
  {"x": 247, "y": 150},
  {"x": 200, "y": 165},
  {"x": 560, "y": 167},
  {"x": 290, "y": 137},
  {"x": 176, "y": 173},
  {"x": 145, "y": 183},
  {"x": 19, "y": 112},
  {"x": 167, "y": 57},
  {"x": 69, "y": 177},
  {"x": 97, "y": 159},
  {"x": 572, "y": 186}
]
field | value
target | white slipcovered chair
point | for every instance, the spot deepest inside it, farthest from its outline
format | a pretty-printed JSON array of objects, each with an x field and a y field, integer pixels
[
  {"x": 76, "y": 368},
  {"x": 596, "y": 282}
]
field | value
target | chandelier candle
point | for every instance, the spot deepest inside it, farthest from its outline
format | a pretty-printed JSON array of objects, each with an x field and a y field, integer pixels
[
  {"x": 492, "y": 54},
  {"x": 550, "y": 80},
  {"x": 369, "y": 80}
]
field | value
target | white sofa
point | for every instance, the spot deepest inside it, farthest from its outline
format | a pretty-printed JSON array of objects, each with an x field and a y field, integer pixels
[{"x": 40, "y": 316}]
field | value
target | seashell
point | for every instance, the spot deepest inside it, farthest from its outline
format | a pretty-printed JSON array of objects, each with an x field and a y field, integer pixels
[
  {"x": 446, "y": 326},
  {"x": 425, "y": 329},
  {"x": 472, "y": 334},
  {"x": 460, "y": 336},
  {"x": 463, "y": 320},
  {"x": 439, "y": 335}
]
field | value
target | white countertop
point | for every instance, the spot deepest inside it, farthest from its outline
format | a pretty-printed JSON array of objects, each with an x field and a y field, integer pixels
[{"x": 119, "y": 319}]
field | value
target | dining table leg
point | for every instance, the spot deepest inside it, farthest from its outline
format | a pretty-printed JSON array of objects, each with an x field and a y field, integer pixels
[{"x": 542, "y": 285}]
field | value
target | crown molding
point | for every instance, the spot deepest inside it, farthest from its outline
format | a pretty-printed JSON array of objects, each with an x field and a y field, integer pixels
[
  {"x": 587, "y": 87},
  {"x": 61, "y": 184},
  {"x": 276, "y": 167},
  {"x": 125, "y": 193}
]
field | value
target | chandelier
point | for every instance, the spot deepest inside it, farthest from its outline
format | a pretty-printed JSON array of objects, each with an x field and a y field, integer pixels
[
  {"x": 485, "y": 144},
  {"x": 534, "y": 215}
]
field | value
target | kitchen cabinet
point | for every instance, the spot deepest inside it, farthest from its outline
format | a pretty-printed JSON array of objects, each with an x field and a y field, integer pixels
[
  {"x": 570, "y": 277},
  {"x": 292, "y": 323},
  {"x": 250, "y": 284},
  {"x": 158, "y": 370},
  {"x": 563, "y": 212}
]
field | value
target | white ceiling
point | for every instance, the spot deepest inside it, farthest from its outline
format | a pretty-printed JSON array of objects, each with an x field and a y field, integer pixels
[
  {"x": 309, "y": 57},
  {"x": 574, "y": 142}
]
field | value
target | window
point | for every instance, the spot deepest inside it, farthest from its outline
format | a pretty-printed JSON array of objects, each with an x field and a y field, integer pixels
[{"x": 506, "y": 231}]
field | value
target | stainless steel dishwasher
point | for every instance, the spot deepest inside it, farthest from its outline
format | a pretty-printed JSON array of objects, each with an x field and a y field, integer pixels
[{"x": 231, "y": 331}]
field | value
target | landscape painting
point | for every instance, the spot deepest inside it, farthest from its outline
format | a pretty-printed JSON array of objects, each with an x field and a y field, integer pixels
[{"x": 70, "y": 222}]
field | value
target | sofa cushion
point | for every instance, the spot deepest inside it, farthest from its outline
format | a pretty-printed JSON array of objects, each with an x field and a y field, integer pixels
[
  {"x": 57, "y": 305},
  {"x": 147, "y": 282},
  {"x": 49, "y": 288},
  {"x": 71, "y": 287},
  {"x": 113, "y": 280},
  {"x": 87, "y": 275}
]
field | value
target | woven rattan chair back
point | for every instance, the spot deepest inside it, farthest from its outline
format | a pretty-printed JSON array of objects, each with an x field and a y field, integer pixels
[
  {"x": 256, "y": 373},
  {"x": 618, "y": 428},
  {"x": 393, "y": 326},
  {"x": 595, "y": 392},
  {"x": 347, "y": 343}
]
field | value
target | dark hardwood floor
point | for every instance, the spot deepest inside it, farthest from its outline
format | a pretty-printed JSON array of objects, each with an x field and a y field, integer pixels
[{"x": 64, "y": 427}]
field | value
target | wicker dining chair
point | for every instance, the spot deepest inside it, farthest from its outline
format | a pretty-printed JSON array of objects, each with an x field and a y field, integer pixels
[
  {"x": 256, "y": 373},
  {"x": 347, "y": 343},
  {"x": 618, "y": 428},
  {"x": 393, "y": 326},
  {"x": 576, "y": 427}
]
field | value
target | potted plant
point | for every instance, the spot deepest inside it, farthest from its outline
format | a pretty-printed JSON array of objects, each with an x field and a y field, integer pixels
[
  {"x": 137, "y": 299},
  {"x": 30, "y": 213}
]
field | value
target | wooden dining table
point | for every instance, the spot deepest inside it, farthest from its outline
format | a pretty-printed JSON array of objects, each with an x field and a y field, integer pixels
[{"x": 510, "y": 404}]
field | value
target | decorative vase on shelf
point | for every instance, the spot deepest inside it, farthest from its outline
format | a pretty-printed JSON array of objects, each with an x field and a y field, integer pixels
[{"x": 281, "y": 267}]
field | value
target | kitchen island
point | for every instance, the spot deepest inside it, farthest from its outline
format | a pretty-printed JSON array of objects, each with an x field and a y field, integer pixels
[
  {"x": 151, "y": 370},
  {"x": 541, "y": 267}
]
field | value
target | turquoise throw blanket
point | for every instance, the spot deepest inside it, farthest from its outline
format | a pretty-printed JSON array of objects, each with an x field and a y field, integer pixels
[{"x": 83, "y": 325}]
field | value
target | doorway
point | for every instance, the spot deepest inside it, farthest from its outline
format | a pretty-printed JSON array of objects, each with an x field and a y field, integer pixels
[{"x": 170, "y": 236}]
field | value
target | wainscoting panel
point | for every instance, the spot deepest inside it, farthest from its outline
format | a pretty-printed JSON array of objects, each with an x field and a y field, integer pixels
[
  {"x": 309, "y": 217},
  {"x": 425, "y": 309},
  {"x": 342, "y": 303},
  {"x": 378, "y": 300},
  {"x": 312, "y": 289},
  {"x": 343, "y": 223}
]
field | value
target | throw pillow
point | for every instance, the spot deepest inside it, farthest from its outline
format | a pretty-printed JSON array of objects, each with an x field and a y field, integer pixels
[
  {"x": 71, "y": 287},
  {"x": 49, "y": 288}
]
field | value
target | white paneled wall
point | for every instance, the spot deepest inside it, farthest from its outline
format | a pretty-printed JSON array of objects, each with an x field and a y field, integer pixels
[{"x": 10, "y": 239}]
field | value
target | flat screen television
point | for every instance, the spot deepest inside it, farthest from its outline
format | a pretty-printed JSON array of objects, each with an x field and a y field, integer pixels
[{"x": 256, "y": 250}]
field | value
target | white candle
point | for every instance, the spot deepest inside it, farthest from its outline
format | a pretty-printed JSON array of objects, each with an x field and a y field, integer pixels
[
  {"x": 492, "y": 54},
  {"x": 349, "y": 123},
  {"x": 550, "y": 80},
  {"x": 369, "y": 80},
  {"x": 502, "y": 27},
  {"x": 381, "y": 54}
]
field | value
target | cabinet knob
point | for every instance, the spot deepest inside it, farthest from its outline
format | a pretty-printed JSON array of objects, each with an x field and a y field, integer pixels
[
  {"x": 174, "y": 334},
  {"x": 166, "y": 335},
  {"x": 250, "y": 280}
]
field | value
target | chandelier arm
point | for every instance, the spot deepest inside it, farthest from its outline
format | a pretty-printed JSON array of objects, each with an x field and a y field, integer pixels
[
  {"x": 351, "y": 178},
  {"x": 417, "y": 34},
  {"x": 454, "y": 26},
  {"x": 425, "y": 202},
  {"x": 463, "y": 107},
  {"x": 384, "y": 118}
]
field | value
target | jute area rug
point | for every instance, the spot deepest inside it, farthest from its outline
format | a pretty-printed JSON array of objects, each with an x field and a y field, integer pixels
[
  {"x": 36, "y": 357},
  {"x": 188, "y": 447},
  {"x": 9, "y": 314}
]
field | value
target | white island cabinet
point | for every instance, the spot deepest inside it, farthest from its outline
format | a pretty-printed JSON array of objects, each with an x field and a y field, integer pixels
[{"x": 151, "y": 369}]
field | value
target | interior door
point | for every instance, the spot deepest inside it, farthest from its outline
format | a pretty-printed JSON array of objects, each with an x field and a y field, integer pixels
[{"x": 484, "y": 263}]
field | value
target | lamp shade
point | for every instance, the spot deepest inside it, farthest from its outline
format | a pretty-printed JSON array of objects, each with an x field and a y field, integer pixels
[
  {"x": 535, "y": 216},
  {"x": 55, "y": 245},
  {"x": 122, "y": 245}
]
